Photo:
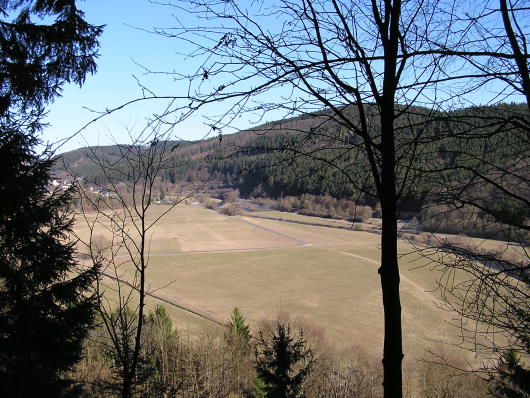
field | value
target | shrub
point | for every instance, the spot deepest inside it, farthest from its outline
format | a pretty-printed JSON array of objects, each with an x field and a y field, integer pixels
[
  {"x": 230, "y": 196},
  {"x": 230, "y": 210},
  {"x": 209, "y": 203}
]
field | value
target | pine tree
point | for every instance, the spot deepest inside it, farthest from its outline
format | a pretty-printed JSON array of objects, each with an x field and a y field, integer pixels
[
  {"x": 45, "y": 314},
  {"x": 237, "y": 339},
  {"x": 160, "y": 319},
  {"x": 283, "y": 362},
  {"x": 237, "y": 328},
  {"x": 37, "y": 58},
  {"x": 512, "y": 379},
  {"x": 45, "y": 311}
]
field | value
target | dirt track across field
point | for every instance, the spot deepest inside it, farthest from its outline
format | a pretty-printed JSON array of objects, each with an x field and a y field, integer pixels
[
  {"x": 202, "y": 264},
  {"x": 185, "y": 307}
]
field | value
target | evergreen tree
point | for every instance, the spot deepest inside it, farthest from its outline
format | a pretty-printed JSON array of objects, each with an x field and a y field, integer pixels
[
  {"x": 45, "y": 314},
  {"x": 37, "y": 58},
  {"x": 45, "y": 311},
  {"x": 283, "y": 363},
  {"x": 258, "y": 389},
  {"x": 237, "y": 329},
  {"x": 160, "y": 319},
  {"x": 512, "y": 379},
  {"x": 237, "y": 338}
]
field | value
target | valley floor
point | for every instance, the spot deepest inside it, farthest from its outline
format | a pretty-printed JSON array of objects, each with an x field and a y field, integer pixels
[{"x": 202, "y": 264}]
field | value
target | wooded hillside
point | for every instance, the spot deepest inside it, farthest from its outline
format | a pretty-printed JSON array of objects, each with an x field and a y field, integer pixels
[{"x": 313, "y": 155}]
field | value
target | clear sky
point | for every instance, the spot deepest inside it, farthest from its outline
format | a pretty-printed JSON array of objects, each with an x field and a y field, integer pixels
[
  {"x": 122, "y": 48},
  {"x": 126, "y": 46}
]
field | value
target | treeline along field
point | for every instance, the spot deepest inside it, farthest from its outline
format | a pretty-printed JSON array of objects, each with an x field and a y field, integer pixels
[{"x": 297, "y": 158}]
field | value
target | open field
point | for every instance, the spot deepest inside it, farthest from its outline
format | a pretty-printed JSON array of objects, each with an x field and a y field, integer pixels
[
  {"x": 373, "y": 225},
  {"x": 288, "y": 216},
  {"x": 209, "y": 263}
]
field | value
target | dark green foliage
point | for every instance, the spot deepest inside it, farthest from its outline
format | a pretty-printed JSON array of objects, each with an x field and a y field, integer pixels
[
  {"x": 237, "y": 330},
  {"x": 159, "y": 342},
  {"x": 258, "y": 389},
  {"x": 513, "y": 379},
  {"x": 36, "y": 58},
  {"x": 160, "y": 319},
  {"x": 237, "y": 342},
  {"x": 283, "y": 362},
  {"x": 45, "y": 313},
  {"x": 302, "y": 156}
]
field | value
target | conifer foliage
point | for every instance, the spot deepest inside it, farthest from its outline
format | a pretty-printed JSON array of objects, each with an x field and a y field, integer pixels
[
  {"x": 37, "y": 58},
  {"x": 283, "y": 362},
  {"x": 45, "y": 311},
  {"x": 513, "y": 379},
  {"x": 237, "y": 329}
]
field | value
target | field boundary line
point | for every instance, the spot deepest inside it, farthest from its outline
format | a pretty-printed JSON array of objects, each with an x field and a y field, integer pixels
[
  {"x": 167, "y": 301},
  {"x": 313, "y": 224},
  {"x": 433, "y": 301},
  {"x": 301, "y": 242}
]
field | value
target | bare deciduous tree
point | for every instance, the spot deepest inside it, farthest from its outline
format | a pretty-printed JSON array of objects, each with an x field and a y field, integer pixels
[
  {"x": 384, "y": 72},
  {"x": 486, "y": 283},
  {"x": 120, "y": 220},
  {"x": 369, "y": 64}
]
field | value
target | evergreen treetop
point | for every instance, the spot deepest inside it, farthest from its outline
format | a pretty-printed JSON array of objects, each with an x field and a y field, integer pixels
[
  {"x": 46, "y": 310},
  {"x": 283, "y": 362}
]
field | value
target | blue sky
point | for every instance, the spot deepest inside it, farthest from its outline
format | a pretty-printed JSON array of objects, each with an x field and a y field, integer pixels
[
  {"x": 125, "y": 45},
  {"x": 122, "y": 48}
]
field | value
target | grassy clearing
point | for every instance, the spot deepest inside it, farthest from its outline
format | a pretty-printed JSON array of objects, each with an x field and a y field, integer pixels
[
  {"x": 210, "y": 263},
  {"x": 182, "y": 320},
  {"x": 193, "y": 228}
]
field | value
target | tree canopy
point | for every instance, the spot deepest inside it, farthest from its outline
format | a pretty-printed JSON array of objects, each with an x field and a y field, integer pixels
[{"x": 45, "y": 309}]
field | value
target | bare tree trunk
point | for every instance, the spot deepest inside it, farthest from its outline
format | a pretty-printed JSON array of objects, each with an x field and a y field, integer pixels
[
  {"x": 389, "y": 270},
  {"x": 127, "y": 391},
  {"x": 520, "y": 58},
  {"x": 127, "y": 386}
]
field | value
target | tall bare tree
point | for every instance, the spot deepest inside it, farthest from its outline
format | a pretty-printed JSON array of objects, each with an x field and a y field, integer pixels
[
  {"x": 368, "y": 63},
  {"x": 491, "y": 196},
  {"x": 120, "y": 219},
  {"x": 383, "y": 71}
]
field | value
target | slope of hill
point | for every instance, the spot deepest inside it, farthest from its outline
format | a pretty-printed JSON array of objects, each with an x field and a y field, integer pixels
[{"x": 315, "y": 154}]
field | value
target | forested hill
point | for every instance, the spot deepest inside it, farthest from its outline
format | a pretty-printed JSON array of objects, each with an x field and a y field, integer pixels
[
  {"x": 189, "y": 161},
  {"x": 315, "y": 154}
]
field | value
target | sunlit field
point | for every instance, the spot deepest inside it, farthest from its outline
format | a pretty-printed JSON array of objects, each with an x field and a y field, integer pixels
[{"x": 202, "y": 264}]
